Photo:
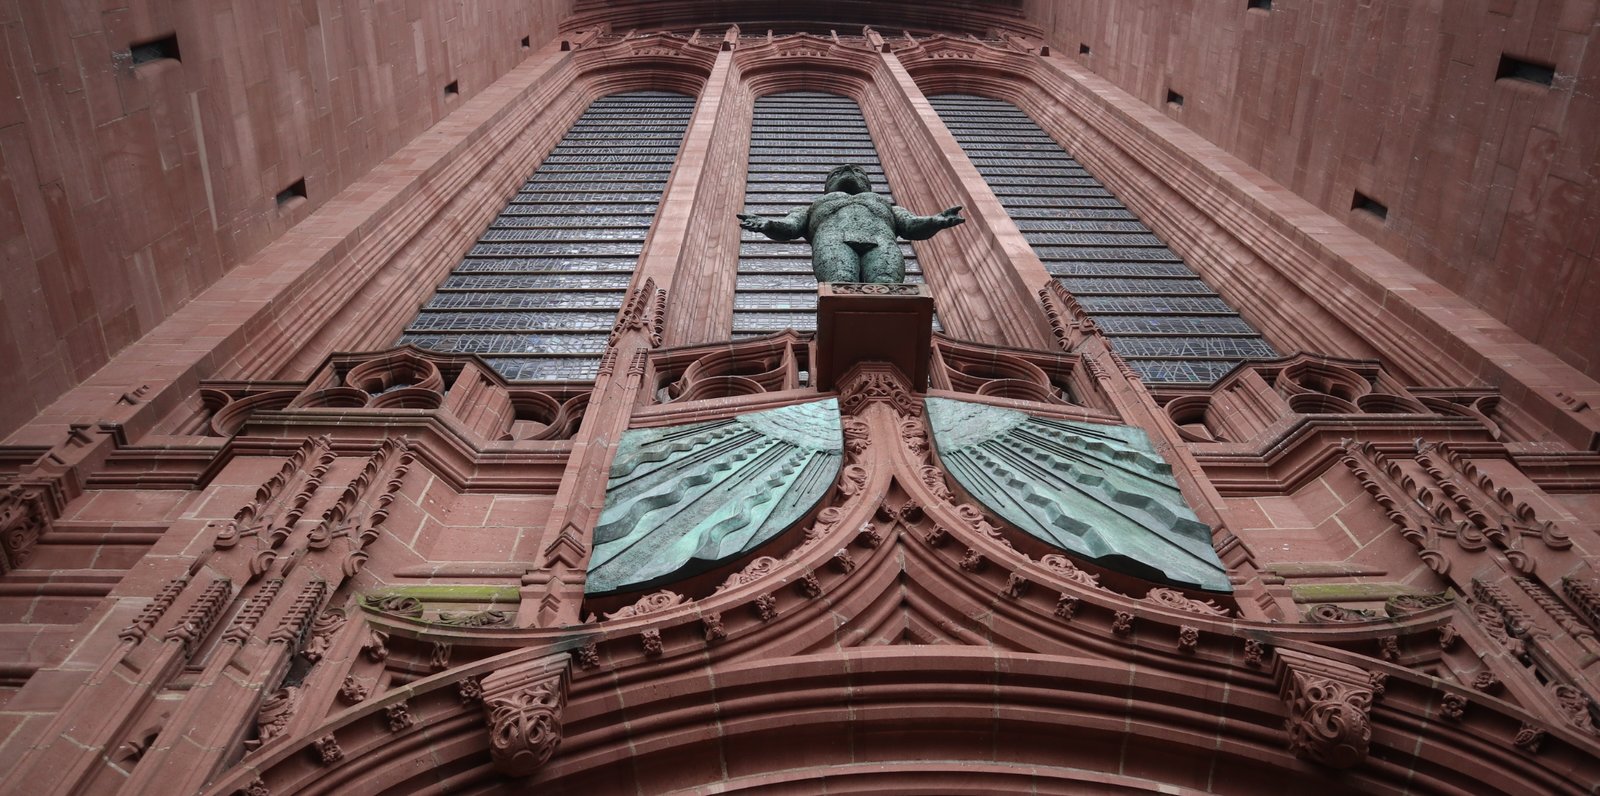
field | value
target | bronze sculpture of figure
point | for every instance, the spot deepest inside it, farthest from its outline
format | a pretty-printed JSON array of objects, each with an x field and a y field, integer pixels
[{"x": 852, "y": 230}]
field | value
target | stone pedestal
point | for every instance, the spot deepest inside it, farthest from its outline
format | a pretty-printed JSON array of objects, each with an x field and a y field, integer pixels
[{"x": 868, "y": 322}]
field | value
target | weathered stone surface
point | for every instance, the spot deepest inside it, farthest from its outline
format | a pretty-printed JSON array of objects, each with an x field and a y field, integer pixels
[
  {"x": 683, "y": 498},
  {"x": 1098, "y": 491}
]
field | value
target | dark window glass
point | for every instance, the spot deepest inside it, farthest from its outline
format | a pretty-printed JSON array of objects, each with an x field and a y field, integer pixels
[
  {"x": 538, "y": 294},
  {"x": 1158, "y": 314},
  {"x": 796, "y": 139}
]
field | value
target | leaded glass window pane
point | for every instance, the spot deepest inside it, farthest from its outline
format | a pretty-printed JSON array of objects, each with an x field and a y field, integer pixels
[
  {"x": 1168, "y": 324},
  {"x": 538, "y": 294},
  {"x": 796, "y": 139}
]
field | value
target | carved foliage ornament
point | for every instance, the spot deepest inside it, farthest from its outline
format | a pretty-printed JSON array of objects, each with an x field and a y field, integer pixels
[
  {"x": 877, "y": 384},
  {"x": 1329, "y": 708},
  {"x": 23, "y": 518},
  {"x": 523, "y": 706},
  {"x": 1177, "y": 600},
  {"x": 1328, "y": 613}
]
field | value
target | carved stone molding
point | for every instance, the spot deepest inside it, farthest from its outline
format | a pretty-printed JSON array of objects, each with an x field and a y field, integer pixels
[
  {"x": 523, "y": 706},
  {"x": 274, "y": 714},
  {"x": 876, "y": 382},
  {"x": 154, "y": 610},
  {"x": 1329, "y": 708},
  {"x": 650, "y": 603},
  {"x": 24, "y": 516},
  {"x": 197, "y": 622},
  {"x": 1330, "y": 614},
  {"x": 1177, "y": 600}
]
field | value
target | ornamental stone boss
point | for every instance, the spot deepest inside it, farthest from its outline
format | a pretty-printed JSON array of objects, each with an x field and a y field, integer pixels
[{"x": 852, "y": 230}]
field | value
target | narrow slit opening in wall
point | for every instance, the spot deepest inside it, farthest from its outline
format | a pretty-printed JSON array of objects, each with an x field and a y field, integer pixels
[
  {"x": 452, "y": 89},
  {"x": 1259, "y": 5},
  {"x": 1174, "y": 99},
  {"x": 1514, "y": 68},
  {"x": 155, "y": 49},
  {"x": 1368, "y": 204},
  {"x": 527, "y": 42},
  {"x": 295, "y": 192},
  {"x": 1083, "y": 49}
]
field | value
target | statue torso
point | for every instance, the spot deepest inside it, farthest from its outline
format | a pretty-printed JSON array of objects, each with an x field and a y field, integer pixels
[{"x": 861, "y": 217}]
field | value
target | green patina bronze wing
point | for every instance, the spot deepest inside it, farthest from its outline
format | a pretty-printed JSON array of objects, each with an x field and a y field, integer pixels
[
  {"x": 683, "y": 499},
  {"x": 1098, "y": 491}
]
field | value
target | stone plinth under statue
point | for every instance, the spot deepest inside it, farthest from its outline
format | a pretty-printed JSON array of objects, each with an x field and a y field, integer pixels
[{"x": 864, "y": 322}]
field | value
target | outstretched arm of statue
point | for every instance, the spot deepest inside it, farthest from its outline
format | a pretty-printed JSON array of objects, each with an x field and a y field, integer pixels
[
  {"x": 787, "y": 228},
  {"x": 915, "y": 227}
]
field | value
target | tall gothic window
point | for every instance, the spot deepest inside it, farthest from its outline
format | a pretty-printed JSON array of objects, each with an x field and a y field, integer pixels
[
  {"x": 538, "y": 294},
  {"x": 1157, "y": 313},
  {"x": 796, "y": 138}
]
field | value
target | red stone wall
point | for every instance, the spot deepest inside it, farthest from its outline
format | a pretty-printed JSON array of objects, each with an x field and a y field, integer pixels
[
  {"x": 1492, "y": 187},
  {"x": 125, "y": 190}
]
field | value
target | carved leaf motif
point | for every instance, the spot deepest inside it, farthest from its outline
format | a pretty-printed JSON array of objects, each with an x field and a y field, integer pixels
[
  {"x": 810, "y": 585},
  {"x": 1066, "y": 606},
  {"x": 715, "y": 631},
  {"x": 651, "y": 641},
  {"x": 650, "y": 603},
  {"x": 274, "y": 714},
  {"x": 353, "y": 690},
  {"x": 588, "y": 655},
  {"x": 767, "y": 607},
  {"x": 1328, "y": 613},
  {"x": 869, "y": 385},
  {"x": 1255, "y": 652},
  {"x": 328, "y": 749},
  {"x": 1188, "y": 638},
  {"x": 1329, "y": 722},
  {"x": 327, "y": 624},
  {"x": 1329, "y": 707},
  {"x": 523, "y": 710},
  {"x": 1177, "y": 600},
  {"x": 485, "y": 618},
  {"x": 398, "y": 716},
  {"x": 1405, "y": 604},
  {"x": 397, "y": 604},
  {"x": 1016, "y": 585},
  {"x": 1529, "y": 738},
  {"x": 1063, "y": 566}
]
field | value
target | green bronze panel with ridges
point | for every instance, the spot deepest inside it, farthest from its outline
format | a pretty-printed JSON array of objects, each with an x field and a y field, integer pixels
[
  {"x": 1094, "y": 490},
  {"x": 683, "y": 499}
]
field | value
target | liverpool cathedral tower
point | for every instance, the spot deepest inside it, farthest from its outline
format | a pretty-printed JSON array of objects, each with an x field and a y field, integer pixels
[{"x": 690, "y": 397}]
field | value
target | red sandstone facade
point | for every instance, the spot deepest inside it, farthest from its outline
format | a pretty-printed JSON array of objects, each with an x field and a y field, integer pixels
[{"x": 236, "y": 560}]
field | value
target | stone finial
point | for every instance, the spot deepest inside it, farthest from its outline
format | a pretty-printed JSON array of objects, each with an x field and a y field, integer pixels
[
  {"x": 1330, "y": 706},
  {"x": 523, "y": 704}
]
